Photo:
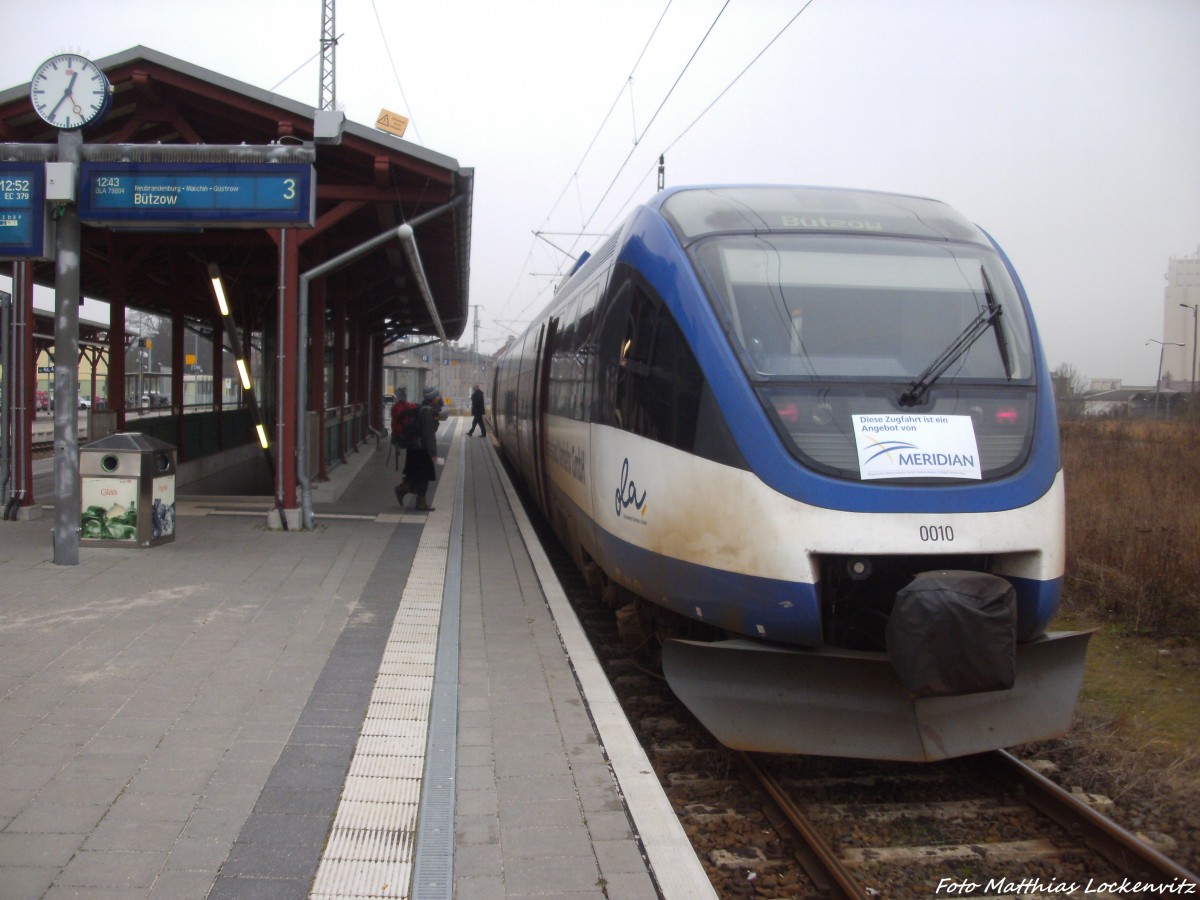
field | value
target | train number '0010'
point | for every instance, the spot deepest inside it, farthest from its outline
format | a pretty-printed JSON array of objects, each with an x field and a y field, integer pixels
[{"x": 937, "y": 534}]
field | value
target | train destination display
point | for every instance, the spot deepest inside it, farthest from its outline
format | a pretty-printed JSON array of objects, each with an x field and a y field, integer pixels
[
  {"x": 157, "y": 195},
  {"x": 22, "y": 210}
]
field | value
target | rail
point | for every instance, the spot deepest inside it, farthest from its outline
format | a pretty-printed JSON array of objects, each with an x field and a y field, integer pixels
[
  {"x": 1074, "y": 816},
  {"x": 835, "y": 875}
]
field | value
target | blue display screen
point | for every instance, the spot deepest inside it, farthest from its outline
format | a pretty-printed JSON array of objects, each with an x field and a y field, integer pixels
[
  {"x": 262, "y": 195},
  {"x": 22, "y": 209}
]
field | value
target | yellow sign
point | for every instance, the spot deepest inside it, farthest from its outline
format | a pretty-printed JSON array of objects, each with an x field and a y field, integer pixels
[{"x": 391, "y": 122}]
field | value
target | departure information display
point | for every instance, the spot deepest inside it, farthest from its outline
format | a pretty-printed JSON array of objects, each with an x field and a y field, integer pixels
[
  {"x": 22, "y": 210},
  {"x": 159, "y": 195}
]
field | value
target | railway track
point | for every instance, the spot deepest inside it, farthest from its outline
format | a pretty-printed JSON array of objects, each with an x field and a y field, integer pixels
[{"x": 985, "y": 826}]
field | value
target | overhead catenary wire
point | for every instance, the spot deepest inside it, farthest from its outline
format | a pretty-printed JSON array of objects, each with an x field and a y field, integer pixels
[
  {"x": 591, "y": 144},
  {"x": 661, "y": 104},
  {"x": 574, "y": 178},
  {"x": 621, "y": 209},
  {"x": 293, "y": 73},
  {"x": 396, "y": 74},
  {"x": 639, "y": 138},
  {"x": 738, "y": 77}
]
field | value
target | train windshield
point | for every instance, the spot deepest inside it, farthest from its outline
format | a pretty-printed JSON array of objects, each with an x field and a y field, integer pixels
[
  {"x": 829, "y": 327},
  {"x": 827, "y": 307}
]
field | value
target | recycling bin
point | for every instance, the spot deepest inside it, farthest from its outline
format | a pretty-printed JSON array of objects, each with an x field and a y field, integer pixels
[{"x": 127, "y": 491}]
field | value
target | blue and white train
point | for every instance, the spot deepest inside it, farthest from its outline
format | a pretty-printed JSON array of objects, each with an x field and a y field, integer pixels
[{"x": 806, "y": 438}]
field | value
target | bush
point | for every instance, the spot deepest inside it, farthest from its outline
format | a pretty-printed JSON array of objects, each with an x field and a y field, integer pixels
[{"x": 1133, "y": 520}]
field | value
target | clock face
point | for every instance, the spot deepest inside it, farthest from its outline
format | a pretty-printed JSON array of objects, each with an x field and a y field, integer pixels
[{"x": 69, "y": 91}]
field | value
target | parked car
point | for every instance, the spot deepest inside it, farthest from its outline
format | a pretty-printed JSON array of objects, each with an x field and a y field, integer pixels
[{"x": 85, "y": 402}]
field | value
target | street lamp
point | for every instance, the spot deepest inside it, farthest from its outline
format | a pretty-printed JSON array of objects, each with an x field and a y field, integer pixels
[
  {"x": 1192, "y": 307},
  {"x": 1162, "y": 346}
]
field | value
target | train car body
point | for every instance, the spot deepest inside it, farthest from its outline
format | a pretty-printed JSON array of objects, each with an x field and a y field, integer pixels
[{"x": 818, "y": 422}]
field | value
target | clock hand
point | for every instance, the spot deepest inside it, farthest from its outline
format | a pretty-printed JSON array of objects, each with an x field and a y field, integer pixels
[
  {"x": 66, "y": 94},
  {"x": 57, "y": 105}
]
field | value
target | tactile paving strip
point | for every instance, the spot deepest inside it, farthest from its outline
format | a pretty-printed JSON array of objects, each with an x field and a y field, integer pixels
[{"x": 371, "y": 847}]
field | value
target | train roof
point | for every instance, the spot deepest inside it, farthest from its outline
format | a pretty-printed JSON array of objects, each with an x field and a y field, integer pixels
[{"x": 695, "y": 212}]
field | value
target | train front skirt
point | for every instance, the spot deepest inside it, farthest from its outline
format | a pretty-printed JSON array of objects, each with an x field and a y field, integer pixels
[{"x": 832, "y": 702}]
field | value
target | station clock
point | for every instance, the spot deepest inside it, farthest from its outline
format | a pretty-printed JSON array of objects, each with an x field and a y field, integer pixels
[{"x": 69, "y": 91}]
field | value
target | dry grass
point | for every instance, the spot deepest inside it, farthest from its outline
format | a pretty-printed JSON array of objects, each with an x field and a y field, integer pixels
[
  {"x": 1133, "y": 520},
  {"x": 1133, "y": 574}
]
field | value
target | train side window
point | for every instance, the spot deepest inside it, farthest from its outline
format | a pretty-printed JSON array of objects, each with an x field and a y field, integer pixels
[
  {"x": 609, "y": 372},
  {"x": 562, "y": 353},
  {"x": 648, "y": 380},
  {"x": 585, "y": 349}
]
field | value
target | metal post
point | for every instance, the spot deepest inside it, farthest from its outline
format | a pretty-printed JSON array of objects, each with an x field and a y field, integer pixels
[
  {"x": 1158, "y": 379},
  {"x": 6, "y": 355},
  {"x": 68, "y": 245},
  {"x": 1162, "y": 346},
  {"x": 280, "y": 380},
  {"x": 1192, "y": 307},
  {"x": 23, "y": 409},
  {"x": 327, "y": 92}
]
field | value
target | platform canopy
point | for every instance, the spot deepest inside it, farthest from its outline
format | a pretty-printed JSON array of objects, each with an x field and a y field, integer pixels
[{"x": 371, "y": 182}]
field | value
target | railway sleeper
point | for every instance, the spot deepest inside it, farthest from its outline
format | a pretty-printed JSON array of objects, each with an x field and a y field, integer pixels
[
  {"x": 751, "y": 859},
  {"x": 710, "y": 814},
  {"x": 1001, "y": 852},
  {"x": 948, "y": 811}
]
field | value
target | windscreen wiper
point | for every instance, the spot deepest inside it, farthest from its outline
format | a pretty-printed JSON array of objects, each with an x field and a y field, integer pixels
[
  {"x": 988, "y": 316},
  {"x": 1001, "y": 340}
]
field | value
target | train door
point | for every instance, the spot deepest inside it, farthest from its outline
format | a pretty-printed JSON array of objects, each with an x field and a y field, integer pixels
[
  {"x": 528, "y": 354},
  {"x": 547, "y": 335}
]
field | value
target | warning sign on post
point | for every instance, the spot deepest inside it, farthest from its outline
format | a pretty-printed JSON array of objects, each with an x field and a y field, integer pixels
[{"x": 391, "y": 122}]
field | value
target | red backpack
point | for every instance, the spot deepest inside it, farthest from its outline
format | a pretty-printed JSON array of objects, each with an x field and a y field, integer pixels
[{"x": 406, "y": 428}]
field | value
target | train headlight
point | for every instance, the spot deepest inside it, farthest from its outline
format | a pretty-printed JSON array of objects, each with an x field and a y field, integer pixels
[{"x": 859, "y": 569}]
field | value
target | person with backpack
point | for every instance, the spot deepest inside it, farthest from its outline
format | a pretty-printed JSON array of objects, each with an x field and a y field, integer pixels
[
  {"x": 419, "y": 432},
  {"x": 404, "y": 418},
  {"x": 477, "y": 409}
]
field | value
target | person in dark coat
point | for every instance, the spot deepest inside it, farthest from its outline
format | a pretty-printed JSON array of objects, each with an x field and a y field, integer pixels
[
  {"x": 419, "y": 470},
  {"x": 477, "y": 408}
]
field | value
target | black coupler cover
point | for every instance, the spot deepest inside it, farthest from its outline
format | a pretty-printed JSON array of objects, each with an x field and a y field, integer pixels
[{"x": 954, "y": 633}]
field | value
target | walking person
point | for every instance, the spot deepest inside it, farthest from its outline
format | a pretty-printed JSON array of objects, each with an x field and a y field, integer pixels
[
  {"x": 419, "y": 461},
  {"x": 477, "y": 407}
]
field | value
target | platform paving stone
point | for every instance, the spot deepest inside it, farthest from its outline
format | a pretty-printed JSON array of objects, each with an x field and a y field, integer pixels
[{"x": 178, "y": 722}]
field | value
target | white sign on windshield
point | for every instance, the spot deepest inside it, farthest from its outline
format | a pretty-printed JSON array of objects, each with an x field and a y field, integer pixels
[{"x": 892, "y": 445}]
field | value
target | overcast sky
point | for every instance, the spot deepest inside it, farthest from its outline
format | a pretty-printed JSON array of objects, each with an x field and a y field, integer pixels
[{"x": 1068, "y": 129}]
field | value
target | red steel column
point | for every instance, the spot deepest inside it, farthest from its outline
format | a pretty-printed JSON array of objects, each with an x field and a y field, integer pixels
[
  {"x": 316, "y": 371},
  {"x": 218, "y": 374},
  {"x": 178, "y": 327},
  {"x": 292, "y": 427},
  {"x": 339, "y": 370},
  {"x": 116, "y": 341},
  {"x": 23, "y": 443},
  {"x": 375, "y": 388},
  {"x": 356, "y": 380},
  {"x": 116, "y": 361}
]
